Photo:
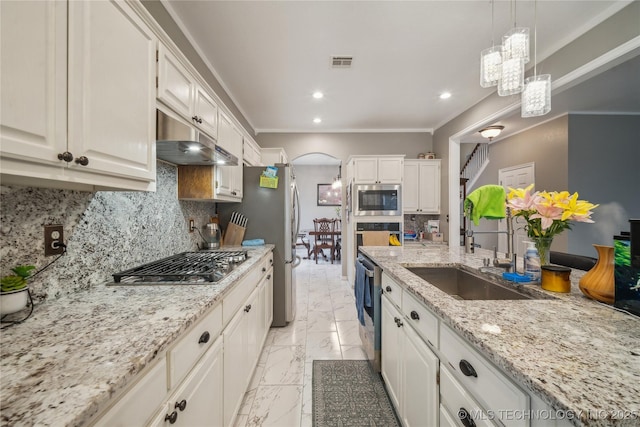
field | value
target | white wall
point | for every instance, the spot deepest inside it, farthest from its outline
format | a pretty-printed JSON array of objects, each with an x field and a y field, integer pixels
[{"x": 307, "y": 179}]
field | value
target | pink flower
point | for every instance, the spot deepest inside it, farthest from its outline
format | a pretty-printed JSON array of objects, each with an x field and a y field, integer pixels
[{"x": 547, "y": 214}]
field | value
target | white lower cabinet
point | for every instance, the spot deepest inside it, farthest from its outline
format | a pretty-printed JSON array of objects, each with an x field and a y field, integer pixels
[
  {"x": 198, "y": 401},
  {"x": 410, "y": 370},
  {"x": 457, "y": 401},
  {"x": 201, "y": 379}
]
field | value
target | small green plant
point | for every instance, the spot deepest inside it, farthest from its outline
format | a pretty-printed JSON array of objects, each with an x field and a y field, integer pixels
[{"x": 17, "y": 281}]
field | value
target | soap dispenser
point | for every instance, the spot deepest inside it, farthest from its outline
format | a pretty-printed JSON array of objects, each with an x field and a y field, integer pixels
[{"x": 532, "y": 267}]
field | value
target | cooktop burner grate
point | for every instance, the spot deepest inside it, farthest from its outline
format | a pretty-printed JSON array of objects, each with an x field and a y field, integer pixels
[{"x": 185, "y": 267}]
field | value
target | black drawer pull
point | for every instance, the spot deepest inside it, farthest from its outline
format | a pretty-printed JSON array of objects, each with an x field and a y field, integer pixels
[
  {"x": 388, "y": 289},
  {"x": 415, "y": 315},
  {"x": 268, "y": 277},
  {"x": 172, "y": 417},
  {"x": 247, "y": 308},
  {"x": 204, "y": 338},
  {"x": 182, "y": 405},
  {"x": 467, "y": 369}
]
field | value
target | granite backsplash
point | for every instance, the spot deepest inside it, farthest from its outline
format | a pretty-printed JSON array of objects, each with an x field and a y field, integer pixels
[{"x": 105, "y": 231}]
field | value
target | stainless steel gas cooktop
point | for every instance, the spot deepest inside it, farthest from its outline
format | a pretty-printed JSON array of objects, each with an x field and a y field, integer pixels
[{"x": 185, "y": 268}]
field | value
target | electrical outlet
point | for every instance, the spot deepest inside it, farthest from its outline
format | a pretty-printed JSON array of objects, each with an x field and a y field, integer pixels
[
  {"x": 53, "y": 239},
  {"x": 192, "y": 225}
]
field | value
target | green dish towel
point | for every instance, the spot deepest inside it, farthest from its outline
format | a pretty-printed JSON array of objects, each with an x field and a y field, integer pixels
[{"x": 488, "y": 201}]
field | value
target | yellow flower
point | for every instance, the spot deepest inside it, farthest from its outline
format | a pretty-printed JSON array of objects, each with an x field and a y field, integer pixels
[
  {"x": 518, "y": 192},
  {"x": 576, "y": 209}
]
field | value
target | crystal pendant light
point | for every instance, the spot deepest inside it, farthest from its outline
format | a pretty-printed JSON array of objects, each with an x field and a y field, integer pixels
[
  {"x": 512, "y": 79},
  {"x": 515, "y": 44},
  {"x": 536, "y": 95},
  {"x": 490, "y": 66},
  {"x": 491, "y": 61}
]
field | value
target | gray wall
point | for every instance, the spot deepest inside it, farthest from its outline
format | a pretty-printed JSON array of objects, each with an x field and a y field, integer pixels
[
  {"x": 307, "y": 179},
  {"x": 105, "y": 232},
  {"x": 343, "y": 145},
  {"x": 547, "y": 147},
  {"x": 604, "y": 168}
]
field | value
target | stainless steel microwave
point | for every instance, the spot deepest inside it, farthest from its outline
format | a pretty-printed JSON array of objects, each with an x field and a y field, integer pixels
[{"x": 377, "y": 199}]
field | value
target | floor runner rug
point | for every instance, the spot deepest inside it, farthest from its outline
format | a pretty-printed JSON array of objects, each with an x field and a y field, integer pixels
[{"x": 348, "y": 393}]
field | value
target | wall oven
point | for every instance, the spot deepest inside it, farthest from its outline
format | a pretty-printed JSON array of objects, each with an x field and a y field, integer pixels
[{"x": 377, "y": 199}]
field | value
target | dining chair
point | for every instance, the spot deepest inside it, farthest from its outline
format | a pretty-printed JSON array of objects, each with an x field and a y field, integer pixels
[{"x": 324, "y": 228}]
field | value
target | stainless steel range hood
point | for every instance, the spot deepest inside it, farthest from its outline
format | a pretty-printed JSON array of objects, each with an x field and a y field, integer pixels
[{"x": 181, "y": 144}]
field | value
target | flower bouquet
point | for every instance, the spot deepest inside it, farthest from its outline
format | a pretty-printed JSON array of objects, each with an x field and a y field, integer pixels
[{"x": 547, "y": 214}]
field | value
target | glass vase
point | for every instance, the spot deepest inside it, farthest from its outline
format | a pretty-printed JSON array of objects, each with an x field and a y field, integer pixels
[{"x": 543, "y": 245}]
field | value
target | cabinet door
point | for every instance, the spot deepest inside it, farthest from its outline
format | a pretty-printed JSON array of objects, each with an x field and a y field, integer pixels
[
  {"x": 392, "y": 350},
  {"x": 365, "y": 170},
  {"x": 202, "y": 392},
  {"x": 33, "y": 72},
  {"x": 390, "y": 170},
  {"x": 112, "y": 102},
  {"x": 176, "y": 87},
  {"x": 206, "y": 112},
  {"x": 229, "y": 178},
  {"x": 429, "y": 187},
  {"x": 420, "y": 394},
  {"x": 410, "y": 186}
]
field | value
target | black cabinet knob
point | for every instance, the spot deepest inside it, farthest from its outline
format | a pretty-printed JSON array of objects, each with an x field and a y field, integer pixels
[
  {"x": 204, "y": 338},
  {"x": 415, "y": 315},
  {"x": 268, "y": 277},
  {"x": 465, "y": 418},
  {"x": 66, "y": 156},
  {"x": 196, "y": 119},
  {"x": 467, "y": 369},
  {"x": 181, "y": 405},
  {"x": 264, "y": 269},
  {"x": 82, "y": 160},
  {"x": 247, "y": 308},
  {"x": 388, "y": 289},
  {"x": 172, "y": 417}
]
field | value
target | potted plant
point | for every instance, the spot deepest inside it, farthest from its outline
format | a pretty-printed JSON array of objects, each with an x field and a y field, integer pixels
[{"x": 14, "y": 292}]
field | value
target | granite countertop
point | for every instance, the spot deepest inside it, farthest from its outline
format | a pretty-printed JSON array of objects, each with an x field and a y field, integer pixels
[
  {"x": 576, "y": 354},
  {"x": 64, "y": 364}
]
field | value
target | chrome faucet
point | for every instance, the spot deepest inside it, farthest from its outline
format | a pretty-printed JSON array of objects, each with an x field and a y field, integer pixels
[{"x": 509, "y": 261}]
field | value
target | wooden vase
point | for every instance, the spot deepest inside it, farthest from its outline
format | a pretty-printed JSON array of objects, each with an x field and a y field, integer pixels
[{"x": 599, "y": 282}]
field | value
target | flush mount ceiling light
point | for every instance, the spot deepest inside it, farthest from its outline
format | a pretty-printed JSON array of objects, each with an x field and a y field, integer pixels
[
  {"x": 491, "y": 132},
  {"x": 317, "y": 120},
  {"x": 318, "y": 95},
  {"x": 445, "y": 95}
]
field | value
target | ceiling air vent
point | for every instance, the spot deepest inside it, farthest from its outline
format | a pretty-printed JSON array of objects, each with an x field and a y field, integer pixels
[{"x": 341, "y": 61}]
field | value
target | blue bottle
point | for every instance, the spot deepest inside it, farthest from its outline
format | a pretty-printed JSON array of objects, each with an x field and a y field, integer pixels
[{"x": 532, "y": 266}]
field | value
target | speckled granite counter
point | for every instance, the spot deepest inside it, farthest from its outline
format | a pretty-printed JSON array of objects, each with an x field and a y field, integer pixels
[
  {"x": 574, "y": 353},
  {"x": 62, "y": 366}
]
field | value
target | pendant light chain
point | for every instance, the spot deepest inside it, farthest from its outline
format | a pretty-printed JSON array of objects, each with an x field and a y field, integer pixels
[{"x": 535, "y": 37}]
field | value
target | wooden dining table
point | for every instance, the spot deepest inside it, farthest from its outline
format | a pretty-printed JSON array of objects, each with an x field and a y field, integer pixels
[{"x": 337, "y": 246}]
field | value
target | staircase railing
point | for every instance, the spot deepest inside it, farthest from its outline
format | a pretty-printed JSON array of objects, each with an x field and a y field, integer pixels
[{"x": 475, "y": 164}]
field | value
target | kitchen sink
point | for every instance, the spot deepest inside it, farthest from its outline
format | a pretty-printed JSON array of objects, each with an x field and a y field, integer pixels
[{"x": 464, "y": 285}]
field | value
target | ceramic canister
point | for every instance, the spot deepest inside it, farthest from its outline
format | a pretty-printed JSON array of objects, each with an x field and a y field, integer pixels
[{"x": 556, "y": 278}]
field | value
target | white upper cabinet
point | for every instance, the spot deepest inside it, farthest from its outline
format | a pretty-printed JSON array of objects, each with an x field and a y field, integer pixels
[
  {"x": 78, "y": 96},
  {"x": 271, "y": 156},
  {"x": 251, "y": 154},
  {"x": 421, "y": 189},
  {"x": 229, "y": 178},
  {"x": 378, "y": 170},
  {"x": 179, "y": 89}
]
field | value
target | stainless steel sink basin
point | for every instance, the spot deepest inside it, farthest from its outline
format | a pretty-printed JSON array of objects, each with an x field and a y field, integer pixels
[{"x": 464, "y": 285}]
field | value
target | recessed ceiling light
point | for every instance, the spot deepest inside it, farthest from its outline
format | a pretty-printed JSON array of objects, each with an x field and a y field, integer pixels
[
  {"x": 318, "y": 95},
  {"x": 445, "y": 95},
  {"x": 317, "y": 120}
]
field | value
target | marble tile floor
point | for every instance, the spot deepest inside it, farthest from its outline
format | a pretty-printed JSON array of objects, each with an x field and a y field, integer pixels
[{"x": 326, "y": 327}]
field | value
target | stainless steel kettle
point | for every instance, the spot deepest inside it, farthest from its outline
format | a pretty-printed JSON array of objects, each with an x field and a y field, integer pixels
[{"x": 212, "y": 236}]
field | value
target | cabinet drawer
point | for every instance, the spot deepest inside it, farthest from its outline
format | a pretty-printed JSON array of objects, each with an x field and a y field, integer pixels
[
  {"x": 422, "y": 320},
  {"x": 239, "y": 294},
  {"x": 185, "y": 353},
  {"x": 137, "y": 405},
  {"x": 457, "y": 402},
  {"x": 494, "y": 390},
  {"x": 392, "y": 290},
  {"x": 446, "y": 420}
]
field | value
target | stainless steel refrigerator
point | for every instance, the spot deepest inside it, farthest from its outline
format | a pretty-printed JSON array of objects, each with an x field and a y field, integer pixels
[{"x": 273, "y": 215}]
